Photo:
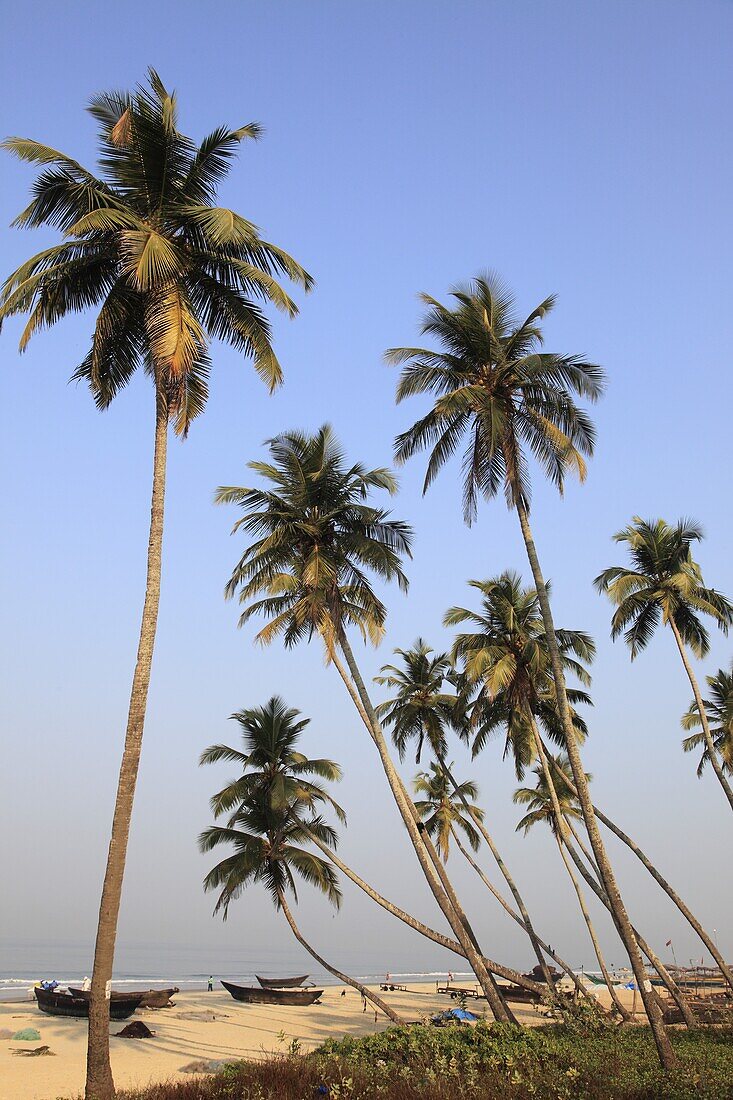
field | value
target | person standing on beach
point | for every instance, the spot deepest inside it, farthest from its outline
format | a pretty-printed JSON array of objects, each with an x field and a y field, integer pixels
[{"x": 211, "y": 983}]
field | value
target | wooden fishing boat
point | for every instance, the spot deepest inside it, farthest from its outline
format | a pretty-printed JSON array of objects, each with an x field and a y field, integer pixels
[
  {"x": 256, "y": 995},
  {"x": 281, "y": 983},
  {"x": 63, "y": 1004},
  {"x": 149, "y": 998}
]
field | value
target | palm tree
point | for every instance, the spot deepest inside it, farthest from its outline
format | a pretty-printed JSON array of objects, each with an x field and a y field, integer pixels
[
  {"x": 269, "y": 760},
  {"x": 505, "y": 663},
  {"x": 556, "y": 809},
  {"x": 168, "y": 272},
  {"x": 420, "y": 709},
  {"x": 272, "y": 811},
  {"x": 719, "y": 712},
  {"x": 664, "y": 584},
  {"x": 441, "y": 808},
  {"x": 315, "y": 540},
  {"x": 493, "y": 383}
]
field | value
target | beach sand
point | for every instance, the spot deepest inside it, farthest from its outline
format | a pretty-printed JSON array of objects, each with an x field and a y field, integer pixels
[{"x": 239, "y": 1031}]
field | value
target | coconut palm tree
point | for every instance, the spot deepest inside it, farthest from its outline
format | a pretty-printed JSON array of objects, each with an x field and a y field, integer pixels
[
  {"x": 441, "y": 808},
  {"x": 168, "y": 272},
  {"x": 277, "y": 806},
  {"x": 267, "y": 849},
  {"x": 505, "y": 663},
  {"x": 270, "y": 760},
  {"x": 422, "y": 710},
  {"x": 543, "y": 807},
  {"x": 495, "y": 386},
  {"x": 719, "y": 712},
  {"x": 664, "y": 584},
  {"x": 315, "y": 539}
]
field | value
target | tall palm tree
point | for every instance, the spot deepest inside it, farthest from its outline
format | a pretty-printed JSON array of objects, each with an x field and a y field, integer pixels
[
  {"x": 506, "y": 667},
  {"x": 168, "y": 272},
  {"x": 422, "y": 710},
  {"x": 441, "y": 808},
  {"x": 719, "y": 712},
  {"x": 494, "y": 384},
  {"x": 271, "y": 811},
  {"x": 315, "y": 539},
  {"x": 556, "y": 809},
  {"x": 664, "y": 584}
]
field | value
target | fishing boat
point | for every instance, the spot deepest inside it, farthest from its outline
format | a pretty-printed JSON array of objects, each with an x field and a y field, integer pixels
[
  {"x": 281, "y": 983},
  {"x": 63, "y": 1004},
  {"x": 149, "y": 998},
  {"x": 258, "y": 996}
]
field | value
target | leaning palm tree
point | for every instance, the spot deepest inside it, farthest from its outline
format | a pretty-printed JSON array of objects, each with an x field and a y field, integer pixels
[
  {"x": 664, "y": 584},
  {"x": 277, "y": 805},
  {"x": 168, "y": 272},
  {"x": 315, "y": 540},
  {"x": 557, "y": 809},
  {"x": 493, "y": 384},
  {"x": 421, "y": 709},
  {"x": 719, "y": 712},
  {"x": 267, "y": 849},
  {"x": 442, "y": 808}
]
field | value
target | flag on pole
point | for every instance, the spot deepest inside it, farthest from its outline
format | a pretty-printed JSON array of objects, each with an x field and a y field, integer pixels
[{"x": 668, "y": 943}]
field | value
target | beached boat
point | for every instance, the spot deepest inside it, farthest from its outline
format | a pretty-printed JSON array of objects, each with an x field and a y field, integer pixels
[
  {"x": 63, "y": 1004},
  {"x": 149, "y": 998},
  {"x": 258, "y": 996},
  {"x": 281, "y": 983}
]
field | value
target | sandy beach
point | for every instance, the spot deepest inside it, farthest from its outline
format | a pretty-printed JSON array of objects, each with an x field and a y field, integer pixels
[{"x": 200, "y": 1026}]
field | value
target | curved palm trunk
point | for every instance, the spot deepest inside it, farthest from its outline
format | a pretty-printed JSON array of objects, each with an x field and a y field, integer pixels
[
  {"x": 373, "y": 997},
  {"x": 712, "y": 751},
  {"x": 525, "y": 922},
  {"x": 667, "y": 1057},
  {"x": 434, "y": 875},
  {"x": 668, "y": 981},
  {"x": 424, "y": 930},
  {"x": 99, "y": 1081},
  {"x": 565, "y": 967},
  {"x": 659, "y": 878},
  {"x": 592, "y": 932}
]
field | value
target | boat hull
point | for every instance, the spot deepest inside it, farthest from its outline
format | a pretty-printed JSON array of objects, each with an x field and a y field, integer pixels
[
  {"x": 281, "y": 983},
  {"x": 149, "y": 998},
  {"x": 63, "y": 1004},
  {"x": 257, "y": 996}
]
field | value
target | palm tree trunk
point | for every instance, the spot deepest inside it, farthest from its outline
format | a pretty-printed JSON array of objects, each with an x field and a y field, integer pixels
[
  {"x": 99, "y": 1081},
  {"x": 712, "y": 751},
  {"x": 667, "y": 1057},
  {"x": 659, "y": 878},
  {"x": 525, "y": 922},
  {"x": 424, "y": 930},
  {"x": 667, "y": 979},
  {"x": 430, "y": 867},
  {"x": 580, "y": 988},
  {"x": 591, "y": 932},
  {"x": 373, "y": 997}
]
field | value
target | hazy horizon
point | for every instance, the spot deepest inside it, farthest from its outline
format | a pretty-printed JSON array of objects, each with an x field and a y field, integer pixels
[{"x": 575, "y": 149}]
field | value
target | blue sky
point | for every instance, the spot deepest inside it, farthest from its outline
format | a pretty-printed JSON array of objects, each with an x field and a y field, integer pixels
[{"x": 576, "y": 148}]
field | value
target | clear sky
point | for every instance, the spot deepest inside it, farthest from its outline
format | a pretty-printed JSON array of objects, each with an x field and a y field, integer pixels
[{"x": 577, "y": 148}]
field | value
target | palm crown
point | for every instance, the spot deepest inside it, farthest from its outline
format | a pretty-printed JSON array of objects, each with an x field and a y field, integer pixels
[
  {"x": 663, "y": 583},
  {"x": 168, "y": 269},
  {"x": 420, "y": 708},
  {"x": 316, "y": 540},
  {"x": 494, "y": 385},
  {"x": 270, "y": 762},
  {"x": 539, "y": 798},
  {"x": 506, "y": 661},
  {"x": 442, "y": 810},
  {"x": 719, "y": 710}
]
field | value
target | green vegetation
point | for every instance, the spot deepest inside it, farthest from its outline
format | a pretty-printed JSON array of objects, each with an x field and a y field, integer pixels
[{"x": 496, "y": 1062}]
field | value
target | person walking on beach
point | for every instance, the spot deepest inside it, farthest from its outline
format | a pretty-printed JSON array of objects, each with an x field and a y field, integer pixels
[{"x": 211, "y": 983}]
